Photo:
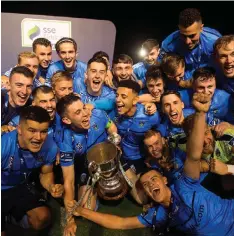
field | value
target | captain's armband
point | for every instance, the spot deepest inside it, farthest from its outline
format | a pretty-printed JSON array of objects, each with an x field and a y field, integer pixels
[{"x": 109, "y": 123}]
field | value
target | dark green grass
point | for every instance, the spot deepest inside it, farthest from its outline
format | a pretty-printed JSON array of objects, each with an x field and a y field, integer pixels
[{"x": 126, "y": 207}]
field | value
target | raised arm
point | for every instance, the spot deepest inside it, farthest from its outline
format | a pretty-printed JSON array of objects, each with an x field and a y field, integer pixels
[{"x": 201, "y": 103}]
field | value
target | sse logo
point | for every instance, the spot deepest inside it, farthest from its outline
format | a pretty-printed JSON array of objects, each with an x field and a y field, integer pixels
[
  {"x": 52, "y": 30},
  {"x": 34, "y": 32},
  {"x": 49, "y": 30}
]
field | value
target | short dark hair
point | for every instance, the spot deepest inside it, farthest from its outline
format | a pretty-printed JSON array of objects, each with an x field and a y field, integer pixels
[
  {"x": 41, "y": 41},
  {"x": 122, "y": 58},
  {"x": 149, "y": 44},
  {"x": 146, "y": 170},
  {"x": 97, "y": 59},
  {"x": 43, "y": 88},
  {"x": 34, "y": 113},
  {"x": 101, "y": 54},
  {"x": 168, "y": 92},
  {"x": 64, "y": 102},
  {"x": 189, "y": 16},
  {"x": 154, "y": 72},
  {"x": 65, "y": 40},
  {"x": 204, "y": 73},
  {"x": 22, "y": 70},
  {"x": 131, "y": 84}
]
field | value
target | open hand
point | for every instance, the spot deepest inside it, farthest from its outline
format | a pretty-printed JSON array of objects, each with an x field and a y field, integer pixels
[
  {"x": 70, "y": 228},
  {"x": 218, "y": 167},
  {"x": 220, "y": 128}
]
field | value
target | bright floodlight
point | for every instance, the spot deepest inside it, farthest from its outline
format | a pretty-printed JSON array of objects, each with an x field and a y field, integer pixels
[{"x": 142, "y": 52}]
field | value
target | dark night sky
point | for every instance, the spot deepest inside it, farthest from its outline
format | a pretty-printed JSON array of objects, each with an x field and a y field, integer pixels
[{"x": 134, "y": 21}]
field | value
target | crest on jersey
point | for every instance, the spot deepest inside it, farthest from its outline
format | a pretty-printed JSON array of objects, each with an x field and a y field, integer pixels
[
  {"x": 141, "y": 123},
  {"x": 11, "y": 159},
  {"x": 116, "y": 119},
  {"x": 79, "y": 146},
  {"x": 40, "y": 158},
  {"x": 95, "y": 126}
]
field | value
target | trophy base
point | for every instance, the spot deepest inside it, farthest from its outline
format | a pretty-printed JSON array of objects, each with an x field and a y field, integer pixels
[{"x": 115, "y": 194}]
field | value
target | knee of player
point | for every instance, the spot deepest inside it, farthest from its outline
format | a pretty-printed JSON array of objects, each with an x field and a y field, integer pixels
[{"x": 42, "y": 219}]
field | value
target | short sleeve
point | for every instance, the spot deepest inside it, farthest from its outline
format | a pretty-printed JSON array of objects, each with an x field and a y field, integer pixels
[
  {"x": 52, "y": 152},
  {"x": 147, "y": 218},
  {"x": 156, "y": 216},
  {"x": 66, "y": 154},
  {"x": 186, "y": 182}
]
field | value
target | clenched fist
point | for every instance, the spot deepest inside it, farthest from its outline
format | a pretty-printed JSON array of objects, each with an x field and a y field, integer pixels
[
  {"x": 56, "y": 190},
  {"x": 201, "y": 102}
]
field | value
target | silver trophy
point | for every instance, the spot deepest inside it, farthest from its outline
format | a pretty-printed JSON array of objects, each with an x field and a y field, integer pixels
[{"x": 103, "y": 161}]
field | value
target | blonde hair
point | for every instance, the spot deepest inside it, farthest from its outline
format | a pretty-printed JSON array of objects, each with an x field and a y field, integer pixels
[
  {"x": 26, "y": 55},
  {"x": 60, "y": 76}
]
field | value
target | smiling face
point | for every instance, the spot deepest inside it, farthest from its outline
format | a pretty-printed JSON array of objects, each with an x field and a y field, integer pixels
[
  {"x": 63, "y": 88},
  {"x": 126, "y": 100},
  {"x": 191, "y": 35},
  {"x": 173, "y": 107},
  {"x": 95, "y": 78},
  {"x": 152, "y": 56},
  {"x": 32, "y": 134},
  {"x": 156, "y": 88},
  {"x": 206, "y": 86},
  {"x": 154, "y": 185},
  {"x": 68, "y": 54},
  {"x": 77, "y": 115},
  {"x": 20, "y": 89},
  {"x": 122, "y": 71},
  {"x": 46, "y": 101},
  {"x": 44, "y": 54},
  {"x": 225, "y": 58},
  {"x": 31, "y": 63},
  {"x": 154, "y": 145}
]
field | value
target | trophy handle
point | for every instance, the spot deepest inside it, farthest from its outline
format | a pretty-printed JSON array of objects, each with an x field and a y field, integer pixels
[
  {"x": 119, "y": 153},
  {"x": 92, "y": 167}
]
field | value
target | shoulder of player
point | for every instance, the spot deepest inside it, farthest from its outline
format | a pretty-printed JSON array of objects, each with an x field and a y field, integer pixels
[
  {"x": 9, "y": 140},
  {"x": 97, "y": 113},
  {"x": 49, "y": 145},
  {"x": 82, "y": 64},
  {"x": 138, "y": 65},
  {"x": 171, "y": 41},
  {"x": 210, "y": 33},
  {"x": 107, "y": 91},
  {"x": 221, "y": 93}
]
